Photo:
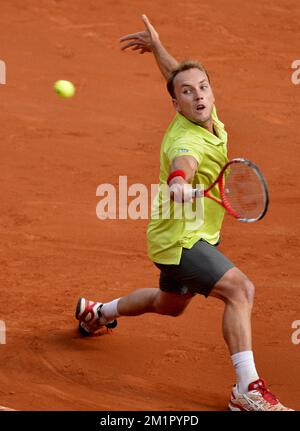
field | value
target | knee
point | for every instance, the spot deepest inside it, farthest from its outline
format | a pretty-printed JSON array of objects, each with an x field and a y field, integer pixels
[
  {"x": 239, "y": 292},
  {"x": 170, "y": 312},
  {"x": 168, "y": 309},
  {"x": 244, "y": 292},
  {"x": 174, "y": 313},
  {"x": 170, "y": 304},
  {"x": 250, "y": 292},
  {"x": 235, "y": 288}
]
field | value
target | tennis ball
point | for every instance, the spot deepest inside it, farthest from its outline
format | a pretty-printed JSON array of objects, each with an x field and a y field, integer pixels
[{"x": 64, "y": 88}]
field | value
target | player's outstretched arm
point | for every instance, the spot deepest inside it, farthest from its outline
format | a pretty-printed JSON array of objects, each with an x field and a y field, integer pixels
[
  {"x": 178, "y": 190},
  {"x": 149, "y": 41}
]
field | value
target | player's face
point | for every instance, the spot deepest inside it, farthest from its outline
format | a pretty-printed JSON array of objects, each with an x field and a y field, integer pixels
[{"x": 194, "y": 96}]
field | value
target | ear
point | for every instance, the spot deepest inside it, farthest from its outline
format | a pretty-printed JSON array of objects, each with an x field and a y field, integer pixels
[
  {"x": 214, "y": 100},
  {"x": 175, "y": 104}
]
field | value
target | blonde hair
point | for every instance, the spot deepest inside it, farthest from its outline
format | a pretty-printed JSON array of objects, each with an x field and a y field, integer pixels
[{"x": 184, "y": 65}]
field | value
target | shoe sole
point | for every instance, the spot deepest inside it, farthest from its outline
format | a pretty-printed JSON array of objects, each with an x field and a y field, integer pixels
[
  {"x": 84, "y": 332},
  {"x": 234, "y": 408},
  {"x": 78, "y": 308}
]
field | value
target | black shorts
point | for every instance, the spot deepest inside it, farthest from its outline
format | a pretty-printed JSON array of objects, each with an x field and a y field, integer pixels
[{"x": 200, "y": 268}]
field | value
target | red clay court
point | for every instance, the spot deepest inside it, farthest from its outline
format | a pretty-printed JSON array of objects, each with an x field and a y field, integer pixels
[{"x": 55, "y": 152}]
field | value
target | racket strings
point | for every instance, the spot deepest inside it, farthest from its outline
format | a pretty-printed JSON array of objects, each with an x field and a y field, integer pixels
[{"x": 244, "y": 191}]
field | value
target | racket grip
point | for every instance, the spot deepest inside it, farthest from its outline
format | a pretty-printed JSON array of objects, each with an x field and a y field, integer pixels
[{"x": 197, "y": 193}]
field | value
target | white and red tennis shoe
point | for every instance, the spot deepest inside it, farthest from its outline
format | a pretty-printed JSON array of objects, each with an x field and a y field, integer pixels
[
  {"x": 258, "y": 398},
  {"x": 90, "y": 317}
]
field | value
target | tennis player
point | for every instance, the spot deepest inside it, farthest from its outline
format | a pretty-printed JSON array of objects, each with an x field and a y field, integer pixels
[{"x": 193, "y": 151}]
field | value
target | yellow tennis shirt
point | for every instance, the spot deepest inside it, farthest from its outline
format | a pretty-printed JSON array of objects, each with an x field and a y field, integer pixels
[{"x": 168, "y": 235}]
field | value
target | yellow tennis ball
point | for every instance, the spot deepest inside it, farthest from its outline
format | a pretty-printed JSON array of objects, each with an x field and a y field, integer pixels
[{"x": 64, "y": 88}]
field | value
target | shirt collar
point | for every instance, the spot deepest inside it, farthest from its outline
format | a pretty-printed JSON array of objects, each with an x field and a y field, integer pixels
[{"x": 205, "y": 134}]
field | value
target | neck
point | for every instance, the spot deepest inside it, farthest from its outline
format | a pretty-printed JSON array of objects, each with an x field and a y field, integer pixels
[{"x": 208, "y": 125}]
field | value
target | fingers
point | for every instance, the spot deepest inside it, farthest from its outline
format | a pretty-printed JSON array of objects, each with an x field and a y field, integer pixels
[
  {"x": 135, "y": 46},
  {"x": 138, "y": 40},
  {"x": 197, "y": 193},
  {"x": 136, "y": 35},
  {"x": 129, "y": 45},
  {"x": 181, "y": 193},
  {"x": 149, "y": 27},
  {"x": 141, "y": 48},
  {"x": 142, "y": 41},
  {"x": 146, "y": 21}
]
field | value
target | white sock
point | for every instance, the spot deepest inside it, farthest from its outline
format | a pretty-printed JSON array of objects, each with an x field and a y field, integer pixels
[
  {"x": 109, "y": 311},
  {"x": 245, "y": 370}
]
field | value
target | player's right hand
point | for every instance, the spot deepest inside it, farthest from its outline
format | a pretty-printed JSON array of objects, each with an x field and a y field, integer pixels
[
  {"x": 142, "y": 41},
  {"x": 182, "y": 192}
]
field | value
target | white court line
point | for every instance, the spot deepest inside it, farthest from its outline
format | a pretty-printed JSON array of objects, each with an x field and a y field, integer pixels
[
  {"x": 2, "y": 332},
  {"x": 3, "y": 341},
  {"x": 6, "y": 409}
]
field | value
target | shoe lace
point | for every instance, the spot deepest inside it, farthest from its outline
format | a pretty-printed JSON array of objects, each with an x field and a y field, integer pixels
[{"x": 265, "y": 392}]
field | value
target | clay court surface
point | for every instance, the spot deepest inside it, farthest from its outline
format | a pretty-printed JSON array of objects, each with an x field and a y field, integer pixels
[{"x": 55, "y": 152}]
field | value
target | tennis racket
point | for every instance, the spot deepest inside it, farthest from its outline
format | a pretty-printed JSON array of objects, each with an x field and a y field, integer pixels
[{"x": 243, "y": 190}]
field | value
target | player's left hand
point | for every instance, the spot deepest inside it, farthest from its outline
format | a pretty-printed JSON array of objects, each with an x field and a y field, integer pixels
[{"x": 142, "y": 41}]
